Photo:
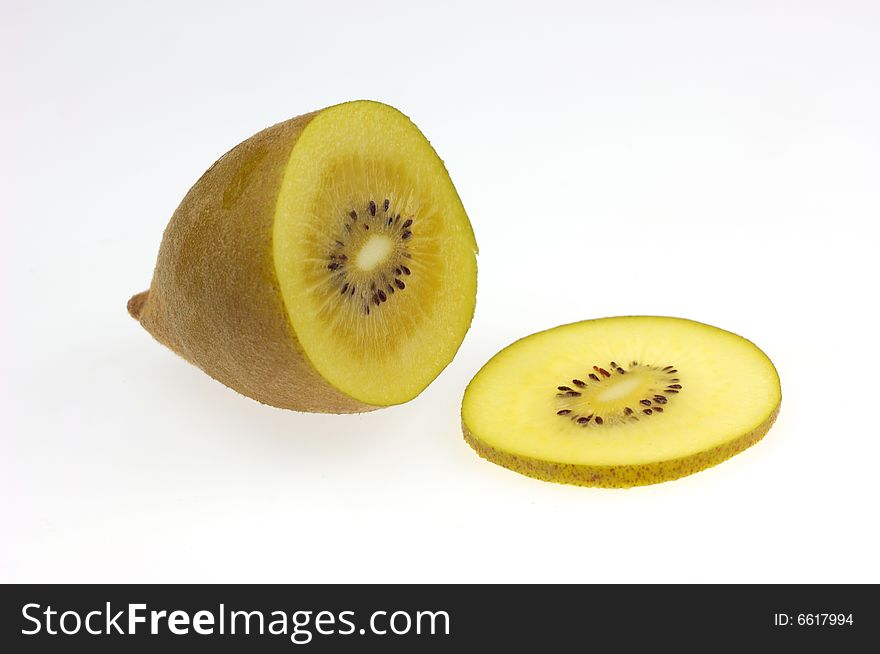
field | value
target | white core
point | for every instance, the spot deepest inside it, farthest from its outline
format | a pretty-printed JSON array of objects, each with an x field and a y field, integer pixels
[
  {"x": 374, "y": 252},
  {"x": 621, "y": 388}
]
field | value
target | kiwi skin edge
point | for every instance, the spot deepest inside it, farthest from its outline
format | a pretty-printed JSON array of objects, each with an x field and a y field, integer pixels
[
  {"x": 215, "y": 298},
  {"x": 621, "y": 476}
]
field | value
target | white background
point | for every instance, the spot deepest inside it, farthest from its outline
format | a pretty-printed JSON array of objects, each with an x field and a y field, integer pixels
[{"x": 718, "y": 161}]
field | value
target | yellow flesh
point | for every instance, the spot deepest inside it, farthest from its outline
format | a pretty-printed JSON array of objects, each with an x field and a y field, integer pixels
[
  {"x": 348, "y": 156},
  {"x": 728, "y": 388}
]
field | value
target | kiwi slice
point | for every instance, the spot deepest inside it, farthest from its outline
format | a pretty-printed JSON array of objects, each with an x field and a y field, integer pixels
[
  {"x": 325, "y": 264},
  {"x": 620, "y": 402}
]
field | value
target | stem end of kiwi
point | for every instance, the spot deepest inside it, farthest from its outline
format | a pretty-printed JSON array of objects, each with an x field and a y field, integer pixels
[{"x": 136, "y": 304}]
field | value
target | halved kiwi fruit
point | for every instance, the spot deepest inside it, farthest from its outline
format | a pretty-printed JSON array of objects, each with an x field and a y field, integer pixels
[
  {"x": 620, "y": 402},
  {"x": 325, "y": 264}
]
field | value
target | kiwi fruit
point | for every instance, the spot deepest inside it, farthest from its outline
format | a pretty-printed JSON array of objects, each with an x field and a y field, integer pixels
[
  {"x": 325, "y": 264},
  {"x": 620, "y": 402}
]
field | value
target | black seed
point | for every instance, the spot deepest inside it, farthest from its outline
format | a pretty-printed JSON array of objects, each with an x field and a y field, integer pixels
[
  {"x": 583, "y": 421},
  {"x": 390, "y": 288},
  {"x": 563, "y": 388},
  {"x": 353, "y": 287},
  {"x": 647, "y": 412},
  {"x": 675, "y": 379},
  {"x": 385, "y": 205},
  {"x": 366, "y": 226},
  {"x": 405, "y": 270},
  {"x": 598, "y": 420},
  {"x": 628, "y": 411},
  {"x": 367, "y": 309},
  {"x": 573, "y": 394},
  {"x": 578, "y": 382},
  {"x": 406, "y": 235},
  {"x": 668, "y": 368},
  {"x": 399, "y": 284},
  {"x": 353, "y": 214},
  {"x": 334, "y": 266},
  {"x": 563, "y": 412},
  {"x": 613, "y": 365},
  {"x": 407, "y": 223},
  {"x": 621, "y": 371},
  {"x": 389, "y": 220},
  {"x": 633, "y": 363},
  {"x": 604, "y": 372},
  {"x": 659, "y": 399},
  {"x": 382, "y": 295},
  {"x": 645, "y": 402},
  {"x": 658, "y": 409},
  {"x": 593, "y": 377},
  {"x": 672, "y": 372},
  {"x": 396, "y": 218},
  {"x": 671, "y": 390},
  {"x": 372, "y": 208},
  {"x": 397, "y": 270},
  {"x": 344, "y": 288},
  {"x": 340, "y": 243},
  {"x": 376, "y": 299},
  {"x": 674, "y": 386}
]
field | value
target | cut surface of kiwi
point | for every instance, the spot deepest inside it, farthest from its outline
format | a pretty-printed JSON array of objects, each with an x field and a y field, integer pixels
[
  {"x": 325, "y": 264},
  {"x": 619, "y": 402}
]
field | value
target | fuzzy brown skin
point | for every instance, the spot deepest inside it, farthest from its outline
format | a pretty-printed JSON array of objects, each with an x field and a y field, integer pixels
[
  {"x": 619, "y": 476},
  {"x": 215, "y": 298}
]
